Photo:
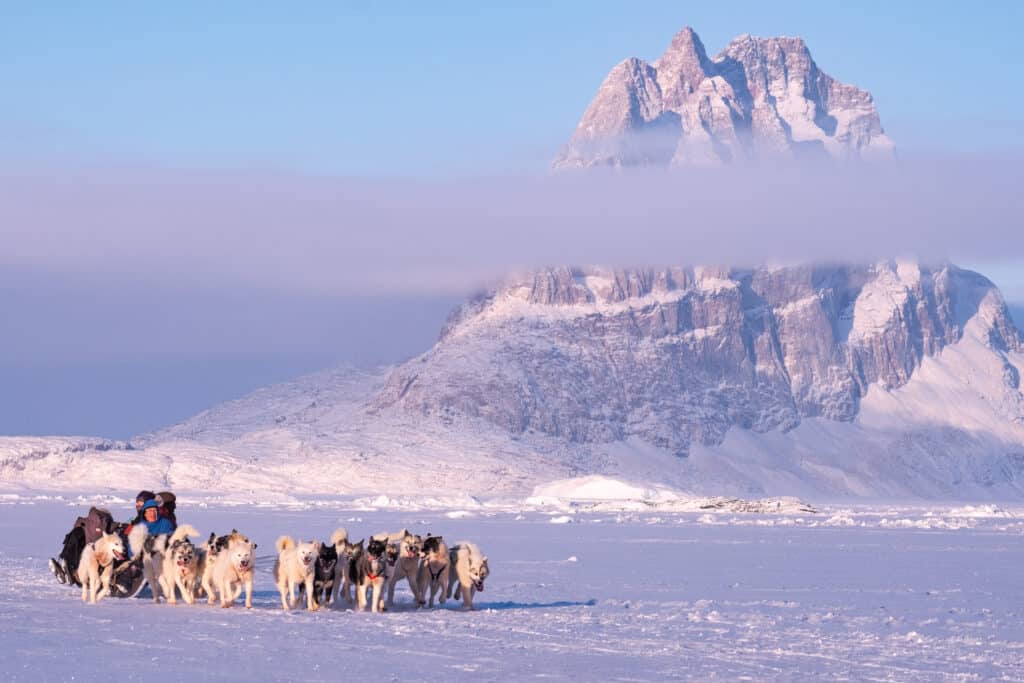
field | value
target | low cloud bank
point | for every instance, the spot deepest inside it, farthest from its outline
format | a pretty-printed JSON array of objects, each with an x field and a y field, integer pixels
[{"x": 330, "y": 235}]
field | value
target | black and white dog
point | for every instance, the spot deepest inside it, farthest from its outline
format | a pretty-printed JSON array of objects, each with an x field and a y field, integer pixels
[
  {"x": 324, "y": 572},
  {"x": 207, "y": 556},
  {"x": 433, "y": 577},
  {"x": 366, "y": 570}
]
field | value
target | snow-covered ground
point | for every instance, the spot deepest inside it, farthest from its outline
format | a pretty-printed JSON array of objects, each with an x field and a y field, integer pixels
[{"x": 576, "y": 593}]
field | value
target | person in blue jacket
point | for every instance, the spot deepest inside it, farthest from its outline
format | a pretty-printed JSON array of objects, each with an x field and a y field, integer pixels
[{"x": 154, "y": 521}]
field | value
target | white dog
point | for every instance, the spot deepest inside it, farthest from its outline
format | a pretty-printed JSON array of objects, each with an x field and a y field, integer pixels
[
  {"x": 469, "y": 570},
  {"x": 234, "y": 570},
  {"x": 433, "y": 576},
  {"x": 407, "y": 567},
  {"x": 295, "y": 565},
  {"x": 151, "y": 550},
  {"x": 99, "y": 555},
  {"x": 207, "y": 556},
  {"x": 180, "y": 566}
]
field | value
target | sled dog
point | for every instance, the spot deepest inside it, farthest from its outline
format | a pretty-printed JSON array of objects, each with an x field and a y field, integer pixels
[
  {"x": 207, "y": 560},
  {"x": 468, "y": 571},
  {"x": 346, "y": 552},
  {"x": 323, "y": 575},
  {"x": 366, "y": 572},
  {"x": 233, "y": 570},
  {"x": 149, "y": 551},
  {"x": 295, "y": 566},
  {"x": 339, "y": 540},
  {"x": 96, "y": 557},
  {"x": 180, "y": 566},
  {"x": 407, "y": 567},
  {"x": 433, "y": 576}
]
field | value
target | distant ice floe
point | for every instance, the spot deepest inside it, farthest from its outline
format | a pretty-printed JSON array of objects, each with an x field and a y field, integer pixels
[{"x": 596, "y": 493}]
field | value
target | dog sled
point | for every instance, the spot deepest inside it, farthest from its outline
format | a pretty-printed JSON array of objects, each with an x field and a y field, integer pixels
[{"x": 129, "y": 579}]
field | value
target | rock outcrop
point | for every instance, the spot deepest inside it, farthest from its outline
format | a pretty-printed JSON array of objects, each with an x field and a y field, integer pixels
[{"x": 681, "y": 355}]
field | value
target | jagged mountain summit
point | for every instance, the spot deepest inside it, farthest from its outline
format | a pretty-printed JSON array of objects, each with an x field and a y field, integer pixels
[{"x": 759, "y": 98}]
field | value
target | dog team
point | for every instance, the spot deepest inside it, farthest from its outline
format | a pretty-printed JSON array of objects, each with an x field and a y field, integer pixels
[{"x": 224, "y": 566}]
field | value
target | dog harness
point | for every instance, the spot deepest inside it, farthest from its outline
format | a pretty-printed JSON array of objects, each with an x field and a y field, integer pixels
[
  {"x": 433, "y": 576},
  {"x": 374, "y": 577}
]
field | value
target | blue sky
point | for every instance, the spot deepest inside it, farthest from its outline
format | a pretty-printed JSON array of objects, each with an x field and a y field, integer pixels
[
  {"x": 423, "y": 89},
  {"x": 380, "y": 91}
]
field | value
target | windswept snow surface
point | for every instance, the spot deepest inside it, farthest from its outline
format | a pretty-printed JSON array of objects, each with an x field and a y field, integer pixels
[{"x": 848, "y": 593}]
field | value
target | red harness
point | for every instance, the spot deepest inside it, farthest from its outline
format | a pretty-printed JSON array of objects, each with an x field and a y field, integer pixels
[{"x": 374, "y": 577}]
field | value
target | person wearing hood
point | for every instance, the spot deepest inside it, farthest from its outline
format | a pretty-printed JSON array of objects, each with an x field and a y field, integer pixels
[
  {"x": 140, "y": 500},
  {"x": 156, "y": 523}
]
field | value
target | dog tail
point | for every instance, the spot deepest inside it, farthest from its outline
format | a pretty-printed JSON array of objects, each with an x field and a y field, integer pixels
[
  {"x": 285, "y": 542},
  {"x": 182, "y": 532},
  {"x": 339, "y": 536},
  {"x": 136, "y": 539}
]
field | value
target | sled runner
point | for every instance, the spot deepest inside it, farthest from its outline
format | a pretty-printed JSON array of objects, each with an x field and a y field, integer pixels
[{"x": 129, "y": 580}]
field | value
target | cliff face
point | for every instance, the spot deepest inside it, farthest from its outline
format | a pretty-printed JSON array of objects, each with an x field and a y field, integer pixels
[
  {"x": 681, "y": 355},
  {"x": 758, "y": 98}
]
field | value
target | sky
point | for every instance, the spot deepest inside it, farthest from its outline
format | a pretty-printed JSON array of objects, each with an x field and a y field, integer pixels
[{"x": 201, "y": 198}]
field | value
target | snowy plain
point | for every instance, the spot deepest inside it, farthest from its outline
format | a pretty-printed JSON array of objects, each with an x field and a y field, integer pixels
[{"x": 853, "y": 593}]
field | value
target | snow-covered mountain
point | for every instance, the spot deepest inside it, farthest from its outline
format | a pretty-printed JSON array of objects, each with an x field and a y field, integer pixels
[
  {"x": 679, "y": 355},
  {"x": 758, "y": 98},
  {"x": 891, "y": 380}
]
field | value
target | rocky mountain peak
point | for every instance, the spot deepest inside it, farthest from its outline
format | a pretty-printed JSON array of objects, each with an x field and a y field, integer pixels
[
  {"x": 759, "y": 97},
  {"x": 679, "y": 355},
  {"x": 682, "y": 68}
]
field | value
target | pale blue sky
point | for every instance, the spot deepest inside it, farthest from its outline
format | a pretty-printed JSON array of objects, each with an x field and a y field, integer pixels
[{"x": 383, "y": 91}]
